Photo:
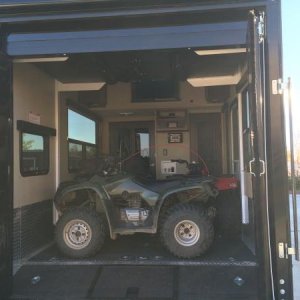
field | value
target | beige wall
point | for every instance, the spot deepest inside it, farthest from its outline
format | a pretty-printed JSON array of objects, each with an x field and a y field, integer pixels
[
  {"x": 33, "y": 92},
  {"x": 166, "y": 151},
  {"x": 119, "y": 99}
]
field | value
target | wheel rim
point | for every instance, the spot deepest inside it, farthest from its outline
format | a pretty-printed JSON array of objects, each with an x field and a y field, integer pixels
[
  {"x": 77, "y": 234},
  {"x": 187, "y": 233}
]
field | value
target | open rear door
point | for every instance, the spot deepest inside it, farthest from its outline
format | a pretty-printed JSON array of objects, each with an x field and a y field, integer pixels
[
  {"x": 266, "y": 161},
  {"x": 5, "y": 178},
  {"x": 254, "y": 137}
]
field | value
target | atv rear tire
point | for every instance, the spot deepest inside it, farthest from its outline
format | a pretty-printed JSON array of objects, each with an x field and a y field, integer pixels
[
  {"x": 80, "y": 233},
  {"x": 187, "y": 231}
]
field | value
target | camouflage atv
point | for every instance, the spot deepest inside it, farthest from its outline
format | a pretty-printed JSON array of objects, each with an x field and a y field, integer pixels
[{"x": 179, "y": 209}]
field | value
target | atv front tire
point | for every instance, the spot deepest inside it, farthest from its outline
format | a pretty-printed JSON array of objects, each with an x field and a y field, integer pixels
[
  {"x": 80, "y": 233},
  {"x": 187, "y": 231}
]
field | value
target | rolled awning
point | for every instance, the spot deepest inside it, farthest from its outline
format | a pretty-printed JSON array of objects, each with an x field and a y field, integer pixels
[{"x": 167, "y": 37}]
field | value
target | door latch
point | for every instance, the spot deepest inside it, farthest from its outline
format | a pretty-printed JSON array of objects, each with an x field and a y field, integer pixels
[
  {"x": 284, "y": 251},
  {"x": 262, "y": 162},
  {"x": 278, "y": 86},
  {"x": 250, "y": 167},
  {"x": 263, "y": 167}
]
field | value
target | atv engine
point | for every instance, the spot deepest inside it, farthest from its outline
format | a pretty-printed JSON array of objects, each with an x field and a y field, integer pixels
[
  {"x": 133, "y": 212},
  {"x": 135, "y": 215}
]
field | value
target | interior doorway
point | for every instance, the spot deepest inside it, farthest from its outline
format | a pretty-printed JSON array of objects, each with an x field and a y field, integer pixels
[
  {"x": 206, "y": 140},
  {"x": 133, "y": 144}
]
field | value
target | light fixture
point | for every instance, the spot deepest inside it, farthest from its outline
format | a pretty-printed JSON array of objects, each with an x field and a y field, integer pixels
[
  {"x": 79, "y": 86},
  {"x": 126, "y": 114},
  {"x": 41, "y": 59},
  {"x": 220, "y": 51},
  {"x": 214, "y": 80}
]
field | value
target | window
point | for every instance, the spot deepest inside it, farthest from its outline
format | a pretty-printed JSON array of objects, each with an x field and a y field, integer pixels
[
  {"x": 75, "y": 156},
  {"x": 143, "y": 143},
  {"x": 81, "y": 128},
  {"x": 82, "y": 141},
  {"x": 90, "y": 152},
  {"x": 34, "y": 148},
  {"x": 34, "y": 154}
]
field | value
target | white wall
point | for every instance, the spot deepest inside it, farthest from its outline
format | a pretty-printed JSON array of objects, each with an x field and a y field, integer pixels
[{"x": 33, "y": 91}]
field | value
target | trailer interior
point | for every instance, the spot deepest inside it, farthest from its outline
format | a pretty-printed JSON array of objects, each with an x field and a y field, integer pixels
[
  {"x": 149, "y": 106},
  {"x": 149, "y": 90}
]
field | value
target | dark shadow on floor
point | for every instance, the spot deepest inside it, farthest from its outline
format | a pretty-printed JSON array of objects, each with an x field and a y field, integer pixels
[{"x": 136, "y": 282}]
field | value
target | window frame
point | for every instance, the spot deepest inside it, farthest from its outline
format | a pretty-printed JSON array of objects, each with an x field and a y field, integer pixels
[
  {"x": 83, "y": 156},
  {"x": 39, "y": 130},
  {"x": 46, "y": 151},
  {"x": 79, "y": 109}
]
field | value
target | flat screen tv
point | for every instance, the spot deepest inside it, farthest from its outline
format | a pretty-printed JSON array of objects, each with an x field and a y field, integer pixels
[{"x": 155, "y": 90}]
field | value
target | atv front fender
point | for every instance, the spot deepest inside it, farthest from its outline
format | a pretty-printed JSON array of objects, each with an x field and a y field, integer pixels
[{"x": 70, "y": 187}]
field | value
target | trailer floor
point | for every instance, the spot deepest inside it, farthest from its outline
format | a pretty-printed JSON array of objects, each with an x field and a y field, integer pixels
[
  {"x": 135, "y": 282},
  {"x": 137, "y": 267},
  {"x": 145, "y": 249}
]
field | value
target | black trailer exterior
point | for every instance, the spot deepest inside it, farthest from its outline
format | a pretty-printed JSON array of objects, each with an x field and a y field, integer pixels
[{"x": 23, "y": 21}]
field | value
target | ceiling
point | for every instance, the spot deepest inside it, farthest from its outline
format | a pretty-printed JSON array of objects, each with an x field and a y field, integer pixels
[{"x": 138, "y": 65}]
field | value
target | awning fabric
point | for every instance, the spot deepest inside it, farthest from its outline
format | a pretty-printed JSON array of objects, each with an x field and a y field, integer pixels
[{"x": 168, "y": 37}]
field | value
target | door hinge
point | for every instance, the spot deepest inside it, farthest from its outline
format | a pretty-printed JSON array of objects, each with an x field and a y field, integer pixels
[
  {"x": 284, "y": 251},
  {"x": 261, "y": 28},
  {"x": 278, "y": 86}
]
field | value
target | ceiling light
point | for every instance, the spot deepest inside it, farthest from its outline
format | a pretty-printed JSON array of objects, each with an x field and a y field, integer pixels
[
  {"x": 79, "y": 86},
  {"x": 126, "y": 114},
  {"x": 220, "y": 51},
  {"x": 214, "y": 80},
  {"x": 41, "y": 59}
]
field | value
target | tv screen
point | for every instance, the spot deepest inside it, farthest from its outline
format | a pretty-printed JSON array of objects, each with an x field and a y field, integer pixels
[{"x": 154, "y": 90}]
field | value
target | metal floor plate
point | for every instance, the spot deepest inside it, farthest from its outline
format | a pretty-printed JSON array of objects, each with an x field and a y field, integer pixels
[
  {"x": 138, "y": 267},
  {"x": 135, "y": 282},
  {"x": 144, "y": 249}
]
